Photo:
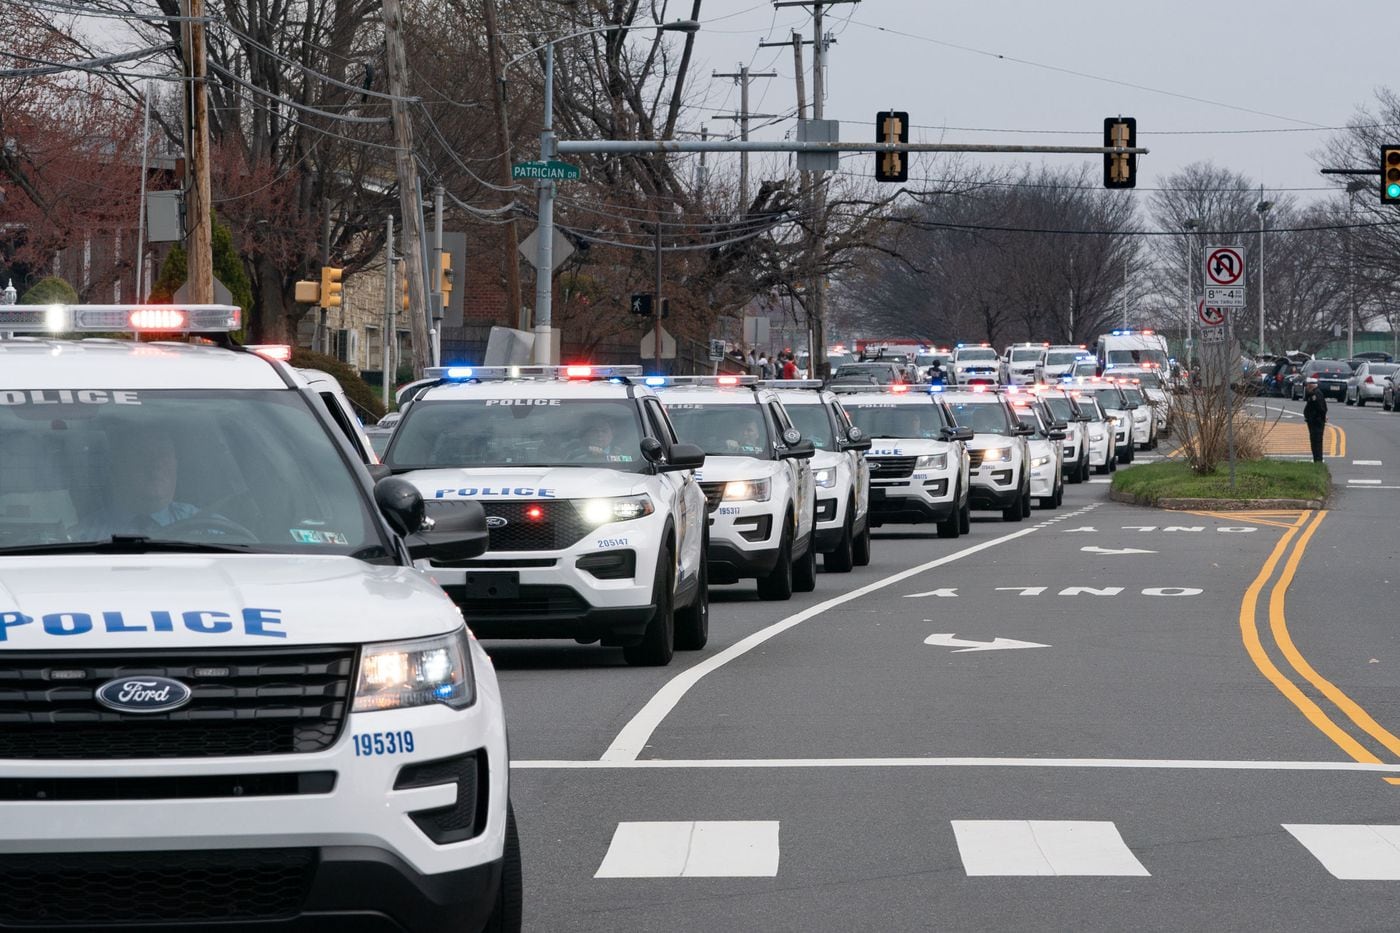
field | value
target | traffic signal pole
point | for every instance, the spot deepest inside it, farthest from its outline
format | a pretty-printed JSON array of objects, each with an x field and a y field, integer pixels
[{"x": 631, "y": 146}]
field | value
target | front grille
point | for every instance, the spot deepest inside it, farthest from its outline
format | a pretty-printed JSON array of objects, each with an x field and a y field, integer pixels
[
  {"x": 974, "y": 459},
  {"x": 278, "y": 701},
  {"x": 80, "y": 889},
  {"x": 558, "y": 525},
  {"x": 714, "y": 492},
  {"x": 537, "y": 602},
  {"x": 184, "y": 787},
  {"x": 465, "y": 818},
  {"x": 892, "y": 467}
]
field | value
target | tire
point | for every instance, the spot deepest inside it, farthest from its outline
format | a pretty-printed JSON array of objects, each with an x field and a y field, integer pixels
[
  {"x": 842, "y": 559},
  {"x": 1126, "y": 457},
  {"x": 860, "y": 547},
  {"x": 778, "y": 584},
  {"x": 965, "y": 518},
  {"x": 507, "y": 912},
  {"x": 1016, "y": 511},
  {"x": 1112, "y": 464},
  {"x": 1360, "y": 401},
  {"x": 1059, "y": 496},
  {"x": 951, "y": 526},
  {"x": 1026, "y": 502},
  {"x": 1347, "y": 399},
  {"x": 804, "y": 569},
  {"x": 693, "y": 622},
  {"x": 658, "y": 644}
]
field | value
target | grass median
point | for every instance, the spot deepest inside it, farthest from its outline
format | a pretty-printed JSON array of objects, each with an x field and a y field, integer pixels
[{"x": 1254, "y": 479}]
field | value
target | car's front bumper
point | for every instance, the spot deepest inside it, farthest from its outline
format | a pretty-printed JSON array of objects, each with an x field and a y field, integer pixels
[
  {"x": 994, "y": 486},
  {"x": 923, "y": 496},
  {"x": 1045, "y": 480}
]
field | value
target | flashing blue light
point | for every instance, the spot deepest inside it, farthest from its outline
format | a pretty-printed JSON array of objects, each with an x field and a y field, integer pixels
[
  {"x": 656, "y": 380},
  {"x": 618, "y": 380},
  {"x": 935, "y": 388},
  {"x": 459, "y": 372},
  {"x": 445, "y": 690}
]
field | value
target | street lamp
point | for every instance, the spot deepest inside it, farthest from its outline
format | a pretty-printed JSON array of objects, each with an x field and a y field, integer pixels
[
  {"x": 1262, "y": 208},
  {"x": 1352, "y": 188},
  {"x": 9, "y": 296},
  {"x": 544, "y": 234},
  {"x": 1187, "y": 226}
]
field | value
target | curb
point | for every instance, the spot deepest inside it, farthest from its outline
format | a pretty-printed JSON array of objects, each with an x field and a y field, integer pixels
[{"x": 1216, "y": 505}]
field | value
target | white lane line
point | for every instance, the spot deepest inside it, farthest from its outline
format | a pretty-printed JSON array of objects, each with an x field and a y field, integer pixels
[
  {"x": 1352, "y": 853},
  {"x": 1004, "y": 848},
  {"x": 1365, "y": 463},
  {"x": 1378, "y": 487},
  {"x": 1364, "y": 482},
  {"x": 1101, "y": 480},
  {"x": 633, "y": 738},
  {"x": 1146, "y": 764},
  {"x": 692, "y": 849}
]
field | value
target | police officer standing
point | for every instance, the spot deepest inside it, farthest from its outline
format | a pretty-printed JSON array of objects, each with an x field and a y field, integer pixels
[{"x": 1315, "y": 414}]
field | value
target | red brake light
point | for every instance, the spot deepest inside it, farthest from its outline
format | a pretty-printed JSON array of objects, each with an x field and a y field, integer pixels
[
  {"x": 1370, "y": 381},
  {"x": 157, "y": 319}
]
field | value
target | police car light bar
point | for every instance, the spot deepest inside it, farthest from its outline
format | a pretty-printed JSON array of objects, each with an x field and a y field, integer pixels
[
  {"x": 273, "y": 351},
  {"x": 501, "y": 373},
  {"x": 120, "y": 319},
  {"x": 789, "y": 383},
  {"x": 721, "y": 381}
]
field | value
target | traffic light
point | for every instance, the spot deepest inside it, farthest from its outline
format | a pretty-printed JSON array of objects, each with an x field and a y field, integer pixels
[
  {"x": 402, "y": 271},
  {"x": 1390, "y": 174},
  {"x": 308, "y": 293},
  {"x": 1120, "y": 168},
  {"x": 641, "y": 304},
  {"x": 330, "y": 286},
  {"x": 892, "y": 126},
  {"x": 445, "y": 279}
]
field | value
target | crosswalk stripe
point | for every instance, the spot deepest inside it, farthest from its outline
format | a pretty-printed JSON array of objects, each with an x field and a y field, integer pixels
[
  {"x": 1044, "y": 847},
  {"x": 692, "y": 849},
  {"x": 1352, "y": 853}
]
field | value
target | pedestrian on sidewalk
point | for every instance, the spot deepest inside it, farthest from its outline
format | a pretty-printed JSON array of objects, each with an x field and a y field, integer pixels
[{"x": 1315, "y": 414}]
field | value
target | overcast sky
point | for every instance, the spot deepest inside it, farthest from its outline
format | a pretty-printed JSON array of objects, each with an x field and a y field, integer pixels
[{"x": 993, "y": 71}]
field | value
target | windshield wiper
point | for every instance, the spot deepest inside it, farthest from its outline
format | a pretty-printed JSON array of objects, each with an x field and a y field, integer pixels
[{"x": 126, "y": 544}]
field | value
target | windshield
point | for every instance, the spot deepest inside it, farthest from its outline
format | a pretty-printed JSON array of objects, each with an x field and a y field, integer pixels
[
  {"x": 518, "y": 432},
  {"x": 1062, "y": 357},
  {"x": 1027, "y": 355},
  {"x": 722, "y": 430},
  {"x": 977, "y": 353},
  {"x": 1060, "y": 406},
  {"x": 1381, "y": 369},
  {"x": 243, "y": 470},
  {"x": 814, "y": 424},
  {"x": 883, "y": 372},
  {"x": 1327, "y": 369},
  {"x": 1136, "y": 357},
  {"x": 1133, "y": 395},
  {"x": 891, "y": 419},
  {"x": 1150, "y": 380},
  {"x": 982, "y": 417},
  {"x": 1030, "y": 419},
  {"x": 1108, "y": 398}
]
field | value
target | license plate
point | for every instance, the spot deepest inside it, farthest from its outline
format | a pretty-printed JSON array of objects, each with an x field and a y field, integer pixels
[{"x": 496, "y": 585}]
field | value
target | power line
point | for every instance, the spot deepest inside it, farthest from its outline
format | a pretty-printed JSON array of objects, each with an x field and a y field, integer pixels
[{"x": 91, "y": 65}]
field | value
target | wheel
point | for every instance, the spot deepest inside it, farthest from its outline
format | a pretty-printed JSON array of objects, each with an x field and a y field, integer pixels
[
  {"x": 1059, "y": 496},
  {"x": 693, "y": 622},
  {"x": 1360, "y": 401},
  {"x": 951, "y": 526},
  {"x": 510, "y": 896},
  {"x": 1125, "y": 457},
  {"x": 1015, "y": 512},
  {"x": 1026, "y": 502},
  {"x": 1347, "y": 399},
  {"x": 778, "y": 583},
  {"x": 1112, "y": 463},
  {"x": 860, "y": 547},
  {"x": 965, "y": 518},
  {"x": 804, "y": 570},
  {"x": 658, "y": 642},
  {"x": 842, "y": 559}
]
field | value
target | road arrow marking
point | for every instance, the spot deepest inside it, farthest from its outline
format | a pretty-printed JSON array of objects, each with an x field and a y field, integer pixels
[
  {"x": 1095, "y": 549},
  {"x": 962, "y": 644},
  {"x": 947, "y": 592}
]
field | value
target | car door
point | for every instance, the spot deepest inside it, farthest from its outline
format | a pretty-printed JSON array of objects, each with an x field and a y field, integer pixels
[
  {"x": 686, "y": 500},
  {"x": 799, "y": 471},
  {"x": 860, "y": 469}
]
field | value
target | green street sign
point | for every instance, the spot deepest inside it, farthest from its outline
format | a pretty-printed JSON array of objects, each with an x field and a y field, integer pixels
[{"x": 548, "y": 171}]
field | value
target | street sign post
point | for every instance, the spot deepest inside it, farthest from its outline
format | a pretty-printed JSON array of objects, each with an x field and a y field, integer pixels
[
  {"x": 1210, "y": 317},
  {"x": 1225, "y": 277},
  {"x": 563, "y": 249},
  {"x": 544, "y": 171},
  {"x": 716, "y": 350}
]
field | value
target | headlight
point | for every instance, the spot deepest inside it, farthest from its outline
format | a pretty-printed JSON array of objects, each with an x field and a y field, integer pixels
[
  {"x": 747, "y": 490},
  {"x": 618, "y": 509},
  {"x": 1040, "y": 461},
  {"x": 397, "y": 675},
  {"x": 996, "y": 453},
  {"x": 1096, "y": 437},
  {"x": 932, "y": 462},
  {"x": 825, "y": 477}
]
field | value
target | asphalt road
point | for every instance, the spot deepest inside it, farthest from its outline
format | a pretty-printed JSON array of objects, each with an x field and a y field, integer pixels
[{"x": 1191, "y": 727}]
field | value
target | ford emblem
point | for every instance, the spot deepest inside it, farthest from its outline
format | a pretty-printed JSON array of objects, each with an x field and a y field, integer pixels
[
  {"x": 143, "y": 694},
  {"x": 496, "y": 521}
]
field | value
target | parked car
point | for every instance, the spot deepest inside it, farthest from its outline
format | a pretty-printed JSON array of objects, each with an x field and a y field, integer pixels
[
  {"x": 1367, "y": 383},
  {"x": 1390, "y": 393},
  {"x": 1331, "y": 376}
]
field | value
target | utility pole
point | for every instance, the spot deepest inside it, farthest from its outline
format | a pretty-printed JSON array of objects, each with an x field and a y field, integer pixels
[
  {"x": 656, "y": 302},
  {"x": 743, "y": 77},
  {"x": 198, "y": 206},
  {"x": 816, "y": 353},
  {"x": 407, "y": 172},
  {"x": 389, "y": 327},
  {"x": 435, "y": 292},
  {"x": 511, "y": 232}
]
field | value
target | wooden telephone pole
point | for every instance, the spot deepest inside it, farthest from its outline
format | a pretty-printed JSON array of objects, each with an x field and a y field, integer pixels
[{"x": 198, "y": 208}]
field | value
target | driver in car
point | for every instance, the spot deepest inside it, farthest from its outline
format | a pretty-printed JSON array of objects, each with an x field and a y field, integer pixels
[
  {"x": 750, "y": 438},
  {"x": 144, "y": 470}
]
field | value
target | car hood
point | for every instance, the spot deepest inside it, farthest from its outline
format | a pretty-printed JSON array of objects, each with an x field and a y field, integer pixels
[
  {"x": 825, "y": 458},
  {"x": 525, "y": 483},
  {"x": 906, "y": 446},
  {"x": 85, "y": 601},
  {"x": 724, "y": 469}
]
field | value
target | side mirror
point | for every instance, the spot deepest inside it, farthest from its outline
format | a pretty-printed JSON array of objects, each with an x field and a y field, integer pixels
[
  {"x": 401, "y": 504},
  {"x": 856, "y": 440},
  {"x": 652, "y": 450},
  {"x": 959, "y": 433},
  {"x": 792, "y": 437},
  {"x": 453, "y": 530},
  {"x": 1058, "y": 426},
  {"x": 1023, "y": 430},
  {"x": 800, "y": 450},
  {"x": 1056, "y": 435},
  {"x": 683, "y": 457},
  {"x": 1132, "y": 406}
]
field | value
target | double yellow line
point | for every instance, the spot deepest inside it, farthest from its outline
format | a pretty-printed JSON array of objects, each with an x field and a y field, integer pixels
[{"x": 1293, "y": 685}]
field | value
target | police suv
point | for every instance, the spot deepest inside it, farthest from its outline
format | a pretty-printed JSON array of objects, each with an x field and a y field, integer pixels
[
  {"x": 1059, "y": 361},
  {"x": 1101, "y": 429},
  {"x": 1115, "y": 403},
  {"x": 977, "y": 365},
  {"x": 998, "y": 454},
  {"x": 1047, "y": 456},
  {"x": 757, "y": 480},
  {"x": 839, "y": 471},
  {"x": 1076, "y": 456},
  {"x": 597, "y": 524},
  {"x": 227, "y": 697},
  {"x": 918, "y": 459},
  {"x": 1019, "y": 363}
]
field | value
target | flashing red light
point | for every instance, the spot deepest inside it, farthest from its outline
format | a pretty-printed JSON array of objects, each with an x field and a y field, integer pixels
[
  {"x": 274, "y": 351},
  {"x": 577, "y": 372},
  {"x": 979, "y": 388},
  {"x": 899, "y": 388},
  {"x": 728, "y": 380},
  {"x": 157, "y": 319},
  {"x": 534, "y": 513},
  {"x": 1149, "y": 332}
]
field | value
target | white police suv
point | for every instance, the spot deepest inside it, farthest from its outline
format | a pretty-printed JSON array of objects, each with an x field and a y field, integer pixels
[
  {"x": 757, "y": 479},
  {"x": 1101, "y": 429},
  {"x": 998, "y": 454},
  {"x": 1076, "y": 457},
  {"x": 975, "y": 365},
  {"x": 1144, "y": 412},
  {"x": 227, "y": 697},
  {"x": 1114, "y": 402},
  {"x": 1057, "y": 362},
  {"x": 1019, "y": 362},
  {"x": 918, "y": 460},
  {"x": 597, "y": 524},
  {"x": 840, "y": 472},
  {"x": 1044, "y": 444}
]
